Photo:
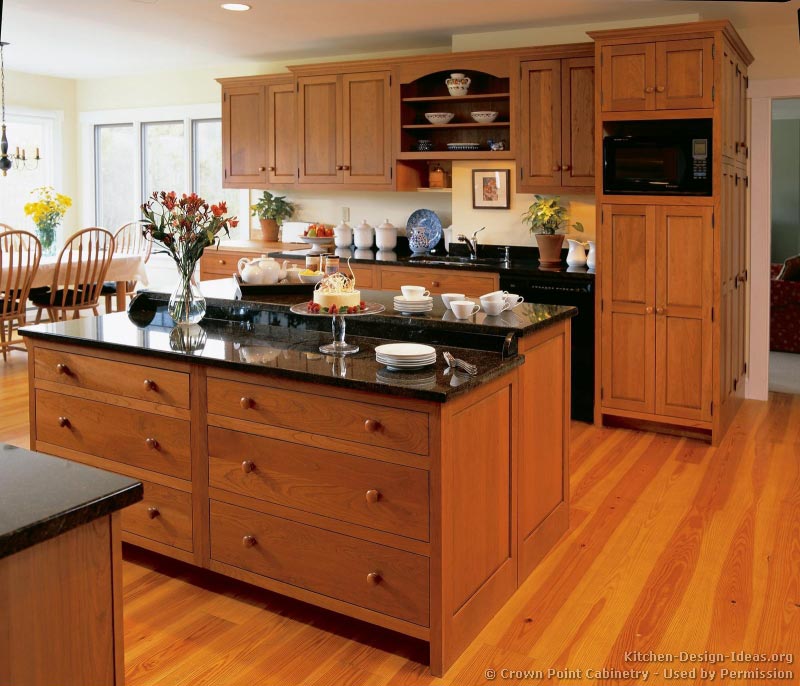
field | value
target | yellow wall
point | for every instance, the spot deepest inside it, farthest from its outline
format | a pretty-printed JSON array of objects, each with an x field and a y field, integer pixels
[{"x": 54, "y": 94}]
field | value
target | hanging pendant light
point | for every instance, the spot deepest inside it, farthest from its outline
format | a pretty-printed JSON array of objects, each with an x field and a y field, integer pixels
[{"x": 20, "y": 159}]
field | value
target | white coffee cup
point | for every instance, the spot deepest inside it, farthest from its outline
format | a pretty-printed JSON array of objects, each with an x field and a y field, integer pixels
[
  {"x": 447, "y": 298},
  {"x": 494, "y": 307},
  {"x": 512, "y": 300},
  {"x": 414, "y": 292},
  {"x": 464, "y": 309},
  {"x": 494, "y": 294},
  {"x": 492, "y": 298}
]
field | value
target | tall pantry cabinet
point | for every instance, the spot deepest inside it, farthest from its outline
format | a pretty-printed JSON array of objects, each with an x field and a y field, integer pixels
[{"x": 673, "y": 270}]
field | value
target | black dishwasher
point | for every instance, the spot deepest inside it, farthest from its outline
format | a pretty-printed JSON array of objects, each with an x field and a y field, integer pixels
[{"x": 577, "y": 290}]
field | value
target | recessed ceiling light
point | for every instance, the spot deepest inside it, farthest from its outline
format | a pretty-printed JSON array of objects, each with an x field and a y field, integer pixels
[{"x": 235, "y": 6}]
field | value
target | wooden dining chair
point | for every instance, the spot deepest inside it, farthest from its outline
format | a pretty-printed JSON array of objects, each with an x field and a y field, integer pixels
[
  {"x": 130, "y": 239},
  {"x": 80, "y": 271},
  {"x": 20, "y": 253}
]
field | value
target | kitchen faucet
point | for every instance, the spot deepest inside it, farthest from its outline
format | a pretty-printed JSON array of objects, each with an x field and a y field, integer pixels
[{"x": 472, "y": 245}]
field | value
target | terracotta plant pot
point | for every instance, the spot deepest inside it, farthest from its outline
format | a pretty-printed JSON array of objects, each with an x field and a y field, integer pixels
[
  {"x": 550, "y": 248},
  {"x": 269, "y": 229}
]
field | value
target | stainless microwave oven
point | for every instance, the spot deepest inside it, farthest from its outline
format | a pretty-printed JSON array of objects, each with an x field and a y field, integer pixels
[{"x": 673, "y": 162}]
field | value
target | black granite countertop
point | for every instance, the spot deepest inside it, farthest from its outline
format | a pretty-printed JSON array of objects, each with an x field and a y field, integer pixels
[
  {"x": 225, "y": 296},
  {"x": 524, "y": 260},
  {"x": 42, "y": 497},
  {"x": 273, "y": 344}
]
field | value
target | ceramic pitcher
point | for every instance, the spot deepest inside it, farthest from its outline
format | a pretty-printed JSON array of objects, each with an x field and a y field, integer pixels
[
  {"x": 591, "y": 258},
  {"x": 576, "y": 257}
]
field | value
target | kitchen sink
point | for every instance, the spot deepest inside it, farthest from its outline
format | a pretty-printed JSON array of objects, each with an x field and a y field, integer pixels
[{"x": 454, "y": 260}]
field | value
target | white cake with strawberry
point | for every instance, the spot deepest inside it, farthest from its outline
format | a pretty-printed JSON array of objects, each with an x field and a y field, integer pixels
[{"x": 337, "y": 294}]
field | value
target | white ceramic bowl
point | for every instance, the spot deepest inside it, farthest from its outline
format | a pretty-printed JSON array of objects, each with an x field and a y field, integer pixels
[
  {"x": 439, "y": 117},
  {"x": 484, "y": 117},
  {"x": 311, "y": 278}
]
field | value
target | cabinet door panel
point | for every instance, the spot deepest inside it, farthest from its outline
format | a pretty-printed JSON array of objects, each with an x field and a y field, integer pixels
[
  {"x": 741, "y": 108},
  {"x": 282, "y": 143},
  {"x": 366, "y": 136},
  {"x": 628, "y": 291},
  {"x": 244, "y": 147},
  {"x": 684, "y": 293},
  {"x": 320, "y": 124},
  {"x": 541, "y": 123},
  {"x": 628, "y": 77},
  {"x": 730, "y": 108},
  {"x": 684, "y": 74},
  {"x": 577, "y": 121}
]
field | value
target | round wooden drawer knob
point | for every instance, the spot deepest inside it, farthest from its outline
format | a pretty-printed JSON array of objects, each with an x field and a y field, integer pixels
[
  {"x": 153, "y": 512},
  {"x": 373, "y": 496},
  {"x": 371, "y": 426},
  {"x": 248, "y": 466},
  {"x": 373, "y": 578},
  {"x": 648, "y": 310},
  {"x": 262, "y": 169},
  {"x": 246, "y": 403},
  {"x": 649, "y": 89},
  {"x": 556, "y": 167},
  {"x": 151, "y": 443},
  {"x": 221, "y": 261},
  {"x": 435, "y": 284},
  {"x": 149, "y": 385},
  {"x": 660, "y": 89},
  {"x": 249, "y": 541},
  {"x": 272, "y": 169},
  {"x": 566, "y": 167},
  {"x": 63, "y": 422},
  {"x": 660, "y": 310},
  {"x": 62, "y": 369}
]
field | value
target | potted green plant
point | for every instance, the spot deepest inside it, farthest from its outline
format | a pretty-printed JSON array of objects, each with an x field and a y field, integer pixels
[
  {"x": 271, "y": 210},
  {"x": 545, "y": 218}
]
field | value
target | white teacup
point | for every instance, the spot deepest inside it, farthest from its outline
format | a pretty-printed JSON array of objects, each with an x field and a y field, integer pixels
[
  {"x": 447, "y": 298},
  {"x": 492, "y": 298},
  {"x": 512, "y": 300},
  {"x": 293, "y": 275},
  {"x": 414, "y": 292},
  {"x": 463, "y": 309},
  {"x": 494, "y": 307},
  {"x": 494, "y": 295}
]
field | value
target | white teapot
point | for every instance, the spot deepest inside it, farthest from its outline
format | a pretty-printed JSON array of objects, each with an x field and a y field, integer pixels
[{"x": 261, "y": 270}]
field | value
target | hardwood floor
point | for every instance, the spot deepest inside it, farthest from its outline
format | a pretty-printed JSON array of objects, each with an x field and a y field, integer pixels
[{"x": 674, "y": 546}]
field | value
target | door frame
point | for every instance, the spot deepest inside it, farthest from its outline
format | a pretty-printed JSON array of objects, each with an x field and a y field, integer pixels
[{"x": 761, "y": 93}]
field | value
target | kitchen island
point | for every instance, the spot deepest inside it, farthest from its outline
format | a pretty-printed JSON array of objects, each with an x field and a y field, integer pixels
[
  {"x": 415, "y": 501},
  {"x": 60, "y": 571}
]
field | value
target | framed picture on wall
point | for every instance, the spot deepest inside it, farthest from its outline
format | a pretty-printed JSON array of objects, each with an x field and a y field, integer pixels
[{"x": 490, "y": 189}]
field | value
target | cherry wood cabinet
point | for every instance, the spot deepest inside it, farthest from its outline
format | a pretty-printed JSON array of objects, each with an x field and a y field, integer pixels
[
  {"x": 281, "y": 108},
  {"x": 418, "y": 516},
  {"x": 660, "y": 75},
  {"x": 344, "y": 132},
  {"x": 556, "y": 124},
  {"x": 673, "y": 270},
  {"x": 244, "y": 135}
]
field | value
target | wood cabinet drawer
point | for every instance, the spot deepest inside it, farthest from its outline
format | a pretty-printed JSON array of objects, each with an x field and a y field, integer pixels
[
  {"x": 349, "y": 420},
  {"x": 141, "y": 439},
  {"x": 364, "y": 275},
  {"x": 379, "y": 495},
  {"x": 219, "y": 263},
  {"x": 370, "y": 575},
  {"x": 108, "y": 376},
  {"x": 439, "y": 281},
  {"x": 163, "y": 515}
]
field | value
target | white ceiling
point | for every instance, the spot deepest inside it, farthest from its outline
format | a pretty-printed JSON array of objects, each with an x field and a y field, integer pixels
[{"x": 95, "y": 38}]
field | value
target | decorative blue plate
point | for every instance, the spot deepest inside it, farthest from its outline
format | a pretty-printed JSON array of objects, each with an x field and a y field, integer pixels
[{"x": 428, "y": 220}]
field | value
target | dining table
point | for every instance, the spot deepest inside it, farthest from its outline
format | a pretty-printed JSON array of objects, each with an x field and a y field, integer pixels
[{"x": 123, "y": 268}]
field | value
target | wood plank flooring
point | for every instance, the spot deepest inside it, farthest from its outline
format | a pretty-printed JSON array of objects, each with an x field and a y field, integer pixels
[{"x": 674, "y": 546}]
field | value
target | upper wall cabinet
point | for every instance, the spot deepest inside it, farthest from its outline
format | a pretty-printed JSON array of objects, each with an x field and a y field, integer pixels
[
  {"x": 244, "y": 149},
  {"x": 556, "y": 124},
  {"x": 659, "y": 75},
  {"x": 344, "y": 134},
  {"x": 258, "y": 132}
]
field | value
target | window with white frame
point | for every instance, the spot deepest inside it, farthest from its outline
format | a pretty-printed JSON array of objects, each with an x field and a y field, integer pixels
[
  {"x": 28, "y": 130},
  {"x": 138, "y": 152}
]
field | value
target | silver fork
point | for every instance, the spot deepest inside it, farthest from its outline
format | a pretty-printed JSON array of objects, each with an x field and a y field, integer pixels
[{"x": 457, "y": 363}]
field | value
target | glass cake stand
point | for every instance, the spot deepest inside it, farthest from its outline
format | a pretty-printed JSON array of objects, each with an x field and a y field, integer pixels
[{"x": 339, "y": 346}]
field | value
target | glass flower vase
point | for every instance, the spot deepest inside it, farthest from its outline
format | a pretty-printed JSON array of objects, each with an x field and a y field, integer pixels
[
  {"x": 187, "y": 305},
  {"x": 46, "y": 233}
]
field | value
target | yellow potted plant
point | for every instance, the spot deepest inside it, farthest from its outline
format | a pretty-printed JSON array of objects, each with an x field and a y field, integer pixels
[{"x": 545, "y": 218}]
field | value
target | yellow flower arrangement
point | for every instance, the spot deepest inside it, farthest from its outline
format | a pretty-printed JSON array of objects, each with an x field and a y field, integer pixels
[{"x": 47, "y": 210}]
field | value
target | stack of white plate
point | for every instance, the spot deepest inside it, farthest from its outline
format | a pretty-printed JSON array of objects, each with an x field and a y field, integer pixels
[
  {"x": 405, "y": 356},
  {"x": 403, "y": 304}
]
